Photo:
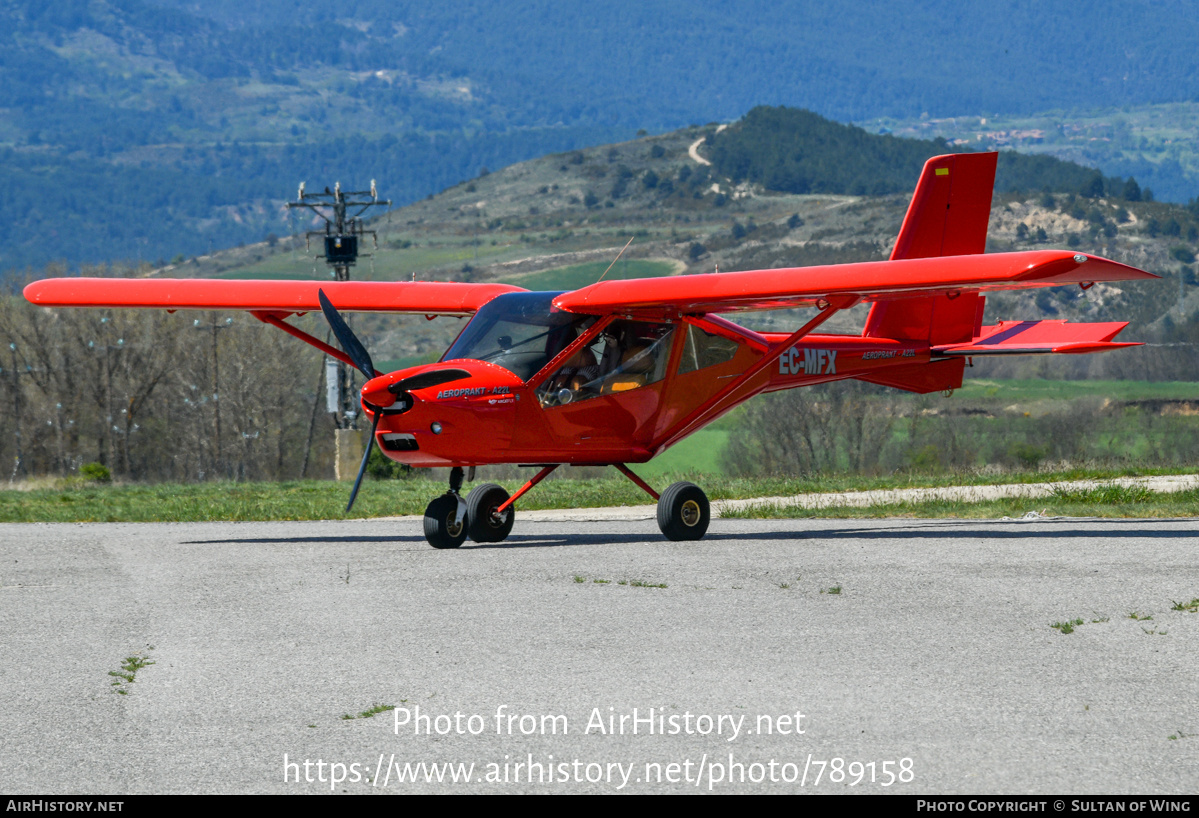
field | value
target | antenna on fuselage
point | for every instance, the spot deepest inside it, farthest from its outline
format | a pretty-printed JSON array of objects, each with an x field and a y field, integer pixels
[{"x": 618, "y": 255}]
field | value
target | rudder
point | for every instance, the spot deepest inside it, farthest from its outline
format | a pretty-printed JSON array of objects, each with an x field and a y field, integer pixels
[{"x": 948, "y": 216}]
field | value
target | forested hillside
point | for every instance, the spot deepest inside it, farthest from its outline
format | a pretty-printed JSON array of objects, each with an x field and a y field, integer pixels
[
  {"x": 146, "y": 129},
  {"x": 796, "y": 151}
]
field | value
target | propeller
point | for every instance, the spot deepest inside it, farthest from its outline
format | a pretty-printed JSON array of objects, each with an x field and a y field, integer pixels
[
  {"x": 362, "y": 359},
  {"x": 346, "y": 337},
  {"x": 357, "y": 353},
  {"x": 370, "y": 441}
]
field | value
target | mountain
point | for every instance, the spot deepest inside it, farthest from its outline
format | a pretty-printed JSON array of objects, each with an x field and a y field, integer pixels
[{"x": 145, "y": 129}]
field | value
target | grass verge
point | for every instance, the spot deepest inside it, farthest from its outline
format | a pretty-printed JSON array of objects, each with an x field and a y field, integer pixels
[
  {"x": 323, "y": 500},
  {"x": 1107, "y": 501}
]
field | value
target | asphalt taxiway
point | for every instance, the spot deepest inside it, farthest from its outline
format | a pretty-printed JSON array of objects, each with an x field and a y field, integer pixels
[{"x": 919, "y": 650}]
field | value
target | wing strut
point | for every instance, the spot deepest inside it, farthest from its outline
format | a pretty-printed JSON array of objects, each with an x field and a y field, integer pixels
[
  {"x": 713, "y": 405},
  {"x": 295, "y": 332}
]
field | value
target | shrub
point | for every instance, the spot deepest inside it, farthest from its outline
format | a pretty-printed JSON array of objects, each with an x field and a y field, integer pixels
[{"x": 96, "y": 473}]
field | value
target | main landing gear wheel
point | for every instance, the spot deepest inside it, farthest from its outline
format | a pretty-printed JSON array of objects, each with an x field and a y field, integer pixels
[
  {"x": 482, "y": 525},
  {"x": 683, "y": 512},
  {"x": 441, "y": 527}
]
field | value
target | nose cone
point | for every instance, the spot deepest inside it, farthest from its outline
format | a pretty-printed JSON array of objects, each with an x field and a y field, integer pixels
[
  {"x": 449, "y": 413},
  {"x": 394, "y": 390},
  {"x": 377, "y": 392}
]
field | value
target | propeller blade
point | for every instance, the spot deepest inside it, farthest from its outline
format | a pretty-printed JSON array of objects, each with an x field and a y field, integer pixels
[
  {"x": 426, "y": 379},
  {"x": 365, "y": 457},
  {"x": 346, "y": 337}
]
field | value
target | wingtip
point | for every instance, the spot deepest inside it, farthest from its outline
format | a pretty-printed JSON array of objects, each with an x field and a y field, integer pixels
[{"x": 1125, "y": 272}]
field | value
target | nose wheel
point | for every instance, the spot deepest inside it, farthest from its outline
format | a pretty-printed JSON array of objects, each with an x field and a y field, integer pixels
[
  {"x": 445, "y": 527},
  {"x": 445, "y": 516},
  {"x": 449, "y": 519}
]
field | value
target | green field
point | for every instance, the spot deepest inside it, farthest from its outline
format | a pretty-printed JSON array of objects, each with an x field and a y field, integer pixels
[
  {"x": 1035, "y": 389},
  {"x": 580, "y": 275},
  {"x": 285, "y": 273},
  {"x": 385, "y": 264},
  {"x": 390, "y": 265},
  {"x": 696, "y": 455},
  {"x": 702, "y": 453}
]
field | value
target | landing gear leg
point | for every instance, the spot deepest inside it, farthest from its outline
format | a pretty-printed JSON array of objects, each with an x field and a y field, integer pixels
[{"x": 445, "y": 516}]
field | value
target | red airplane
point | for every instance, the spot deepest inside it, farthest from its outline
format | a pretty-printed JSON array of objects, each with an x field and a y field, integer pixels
[{"x": 618, "y": 371}]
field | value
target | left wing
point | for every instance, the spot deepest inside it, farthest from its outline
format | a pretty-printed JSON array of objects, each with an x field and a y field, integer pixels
[
  {"x": 867, "y": 281},
  {"x": 273, "y": 297}
]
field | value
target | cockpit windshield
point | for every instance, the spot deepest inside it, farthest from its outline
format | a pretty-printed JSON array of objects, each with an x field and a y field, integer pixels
[{"x": 521, "y": 332}]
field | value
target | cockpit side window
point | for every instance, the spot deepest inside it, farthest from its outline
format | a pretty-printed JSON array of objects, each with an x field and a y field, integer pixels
[
  {"x": 626, "y": 355},
  {"x": 703, "y": 349}
]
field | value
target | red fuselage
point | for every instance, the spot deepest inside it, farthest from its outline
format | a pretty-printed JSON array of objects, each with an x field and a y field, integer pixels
[{"x": 495, "y": 416}]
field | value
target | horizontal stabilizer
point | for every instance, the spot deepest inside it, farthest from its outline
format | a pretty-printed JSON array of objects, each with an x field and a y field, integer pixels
[{"x": 1033, "y": 337}]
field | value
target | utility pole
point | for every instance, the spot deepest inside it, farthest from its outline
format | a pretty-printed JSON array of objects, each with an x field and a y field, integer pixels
[
  {"x": 19, "y": 461},
  {"x": 342, "y": 213},
  {"x": 344, "y": 228},
  {"x": 216, "y": 387}
]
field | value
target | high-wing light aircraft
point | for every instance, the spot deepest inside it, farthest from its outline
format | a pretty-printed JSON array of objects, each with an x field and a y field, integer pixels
[{"x": 618, "y": 371}]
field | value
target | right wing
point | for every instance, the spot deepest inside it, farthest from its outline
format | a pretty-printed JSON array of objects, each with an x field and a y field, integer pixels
[
  {"x": 949, "y": 276},
  {"x": 271, "y": 297}
]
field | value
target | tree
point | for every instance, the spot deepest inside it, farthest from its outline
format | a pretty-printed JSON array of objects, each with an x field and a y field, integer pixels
[{"x": 1182, "y": 253}]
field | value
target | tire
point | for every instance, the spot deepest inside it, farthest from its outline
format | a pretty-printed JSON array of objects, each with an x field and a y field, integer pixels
[
  {"x": 440, "y": 530},
  {"x": 480, "y": 503},
  {"x": 683, "y": 512}
]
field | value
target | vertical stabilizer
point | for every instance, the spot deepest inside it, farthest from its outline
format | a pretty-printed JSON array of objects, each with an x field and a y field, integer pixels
[
  {"x": 948, "y": 216},
  {"x": 951, "y": 208}
]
